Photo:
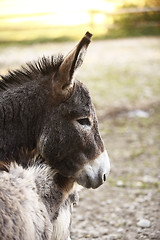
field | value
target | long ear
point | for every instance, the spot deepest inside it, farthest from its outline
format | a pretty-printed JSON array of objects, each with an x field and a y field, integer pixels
[{"x": 62, "y": 81}]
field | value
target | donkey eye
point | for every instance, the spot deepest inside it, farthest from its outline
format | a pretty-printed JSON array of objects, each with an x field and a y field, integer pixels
[{"x": 84, "y": 121}]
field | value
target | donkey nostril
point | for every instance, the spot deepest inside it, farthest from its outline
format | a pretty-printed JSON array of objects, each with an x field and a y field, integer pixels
[{"x": 104, "y": 177}]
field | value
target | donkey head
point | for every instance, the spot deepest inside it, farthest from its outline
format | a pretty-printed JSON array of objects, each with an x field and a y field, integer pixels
[{"x": 70, "y": 141}]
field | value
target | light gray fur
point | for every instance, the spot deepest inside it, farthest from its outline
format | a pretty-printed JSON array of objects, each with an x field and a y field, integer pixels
[{"x": 31, "y": 203}]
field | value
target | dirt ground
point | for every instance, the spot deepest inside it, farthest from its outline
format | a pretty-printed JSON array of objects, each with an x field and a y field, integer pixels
[
  {"x": 124, "y": 80},
  {"x": 132, "y": 192}
]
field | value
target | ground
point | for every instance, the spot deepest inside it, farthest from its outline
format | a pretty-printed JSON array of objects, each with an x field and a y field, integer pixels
[
  {"x": 132, "y": 192},
  {"x": 123, "y": 77}
]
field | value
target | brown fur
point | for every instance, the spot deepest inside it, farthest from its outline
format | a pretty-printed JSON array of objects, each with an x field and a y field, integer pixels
[{"x": 4, "y": 166}]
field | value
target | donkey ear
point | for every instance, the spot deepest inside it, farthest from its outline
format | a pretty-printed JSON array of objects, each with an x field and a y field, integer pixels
[{"x": 62, "y": 82}]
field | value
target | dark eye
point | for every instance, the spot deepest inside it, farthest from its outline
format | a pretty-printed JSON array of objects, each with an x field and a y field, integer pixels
[{"x": 84, "y": 121}]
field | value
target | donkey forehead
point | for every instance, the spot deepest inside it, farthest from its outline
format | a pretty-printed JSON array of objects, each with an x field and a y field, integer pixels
[
  {"x": 79, "y": 102},
  {"x": 81, "y": 95}
]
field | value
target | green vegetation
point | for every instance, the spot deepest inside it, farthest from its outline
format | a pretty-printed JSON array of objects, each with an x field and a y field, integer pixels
[
  {"x": 135, "y": 24},
  {"x": 31, "y": 33},
  {"x": 19, "y": 29}
]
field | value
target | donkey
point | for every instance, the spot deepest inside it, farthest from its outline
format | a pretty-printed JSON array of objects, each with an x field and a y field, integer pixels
[
  {"x": 45, "y": 110},
  {"x": 30, "y": 201}
]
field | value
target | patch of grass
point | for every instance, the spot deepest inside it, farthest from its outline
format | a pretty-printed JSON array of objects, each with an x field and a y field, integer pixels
[
  {"x": 136, "y": 153},
  {"x": 131, "y": 32},
  {"x": 128, "y": 181},
  {"x": 40, "y": 39},
  {"x": 112, "y": 182},
  {"x": 34, "y": 32},
  {"x": 125, "y": 84},
  {"x": 148, "y": 185}
]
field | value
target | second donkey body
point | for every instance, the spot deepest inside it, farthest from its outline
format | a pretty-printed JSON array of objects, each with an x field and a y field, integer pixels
[{"x": 33, "y": 202}]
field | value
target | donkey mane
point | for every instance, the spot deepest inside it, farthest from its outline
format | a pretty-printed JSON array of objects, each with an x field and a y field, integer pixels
[{"x": 44, "y": 66}]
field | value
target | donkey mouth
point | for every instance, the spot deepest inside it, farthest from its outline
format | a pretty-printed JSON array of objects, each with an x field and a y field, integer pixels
[{"x": 95, "y": 174}]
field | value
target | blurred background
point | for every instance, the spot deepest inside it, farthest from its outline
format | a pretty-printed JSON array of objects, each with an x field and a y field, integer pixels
[
  {"x": 122, "y": 72},
  {"x": 58, "y": 20}
]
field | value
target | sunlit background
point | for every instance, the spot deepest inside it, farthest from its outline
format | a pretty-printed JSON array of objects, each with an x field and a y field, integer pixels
[
  {"x": 39, "y": 20},
  {"x": 122, "y": 71}
]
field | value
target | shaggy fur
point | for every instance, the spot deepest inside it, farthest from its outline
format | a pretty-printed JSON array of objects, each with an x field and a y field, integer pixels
[{"x": 31, "y": 204}]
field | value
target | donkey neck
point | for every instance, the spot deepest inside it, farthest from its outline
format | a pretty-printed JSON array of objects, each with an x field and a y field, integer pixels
[{"x": 21, "y": 114}]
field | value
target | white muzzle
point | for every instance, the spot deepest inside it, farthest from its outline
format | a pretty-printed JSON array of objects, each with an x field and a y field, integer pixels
[{"x": 95, "y": 173}]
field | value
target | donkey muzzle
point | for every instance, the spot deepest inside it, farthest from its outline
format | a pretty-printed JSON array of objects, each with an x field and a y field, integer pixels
[{"x": 95, "y": 173}]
